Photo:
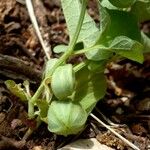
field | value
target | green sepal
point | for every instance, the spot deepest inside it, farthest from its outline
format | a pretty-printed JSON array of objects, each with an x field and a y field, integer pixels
[
  {"x": 63, "y": 81},
  {"x": 16, "y": 89},
  {"x": 66, "y": 117}
]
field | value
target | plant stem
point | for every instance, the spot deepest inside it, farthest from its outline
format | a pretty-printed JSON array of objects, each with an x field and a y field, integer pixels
[
  {"x": 79, "y": 66},
  {"x": 61, "y": 59},
  {"x": 79, "y": 26},
  {"x": 77, "y": 52}
]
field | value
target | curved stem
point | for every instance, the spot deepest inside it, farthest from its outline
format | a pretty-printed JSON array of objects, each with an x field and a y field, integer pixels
[
  {"x": 79, "y": 66},
  {"x": 79, "y": 26},
  {"x": 62, "y": 58}
]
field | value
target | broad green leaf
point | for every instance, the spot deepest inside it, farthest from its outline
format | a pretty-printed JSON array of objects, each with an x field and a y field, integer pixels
[
  {"x": 123, "y": 24},
  {"x": 128, "y": 48},
  {"x": 91, "y": 87},
  {"x": 99, "y": 54},
  {"x": 16, "y": 89},
  {"x": 63, "y": 81},
  {"x": 43, "y": 108},
  {"x": 141, "y": 9},
  {"x": 89, "y": 31},
  {"x": 145, "y": 42},
  {"x": 66, "y": 117},
  {"x": 60, "y": 48},
  {"x": 49, "y": 65},
  {"x": 97, "y": 66},
  {"x": 122, "y": 3},
  {"x": 104, "y": 22}
]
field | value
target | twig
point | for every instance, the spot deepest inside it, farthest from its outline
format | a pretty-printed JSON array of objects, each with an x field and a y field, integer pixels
[
  {"x": 36, "y": 27},
  {"x": 41, "y": 12},
  {"x": 108, "y": 120},
  {"x": 114, "y": 132},
  {"x": 12, "y": 64}
]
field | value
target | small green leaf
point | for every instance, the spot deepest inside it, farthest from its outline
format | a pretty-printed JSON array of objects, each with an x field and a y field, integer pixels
[
  {"x": 122, "y": 3},
  {"x": 91, "y": 87},
  {"x": 16, "y": 89},
  {"x": 128, "y": 48},
  {"x": 141, "y": 9},
  {"x": 60, "y": 48},
  {"x": 49, "y": 65},
  {"x": 66, "y": 117},
  {"x": 43, "y": 108},
  {"x": 63, "y": 81}
]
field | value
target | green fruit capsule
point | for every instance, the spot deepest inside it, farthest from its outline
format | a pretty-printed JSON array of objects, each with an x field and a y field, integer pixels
[
  {"x": 63, "y": 81},
  {"x": 122, "y": 3},
  {"x": 66, "y": 117}
]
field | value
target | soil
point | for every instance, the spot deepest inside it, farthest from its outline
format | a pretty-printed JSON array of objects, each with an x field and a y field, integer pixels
[{"x": 127, "y": 102}]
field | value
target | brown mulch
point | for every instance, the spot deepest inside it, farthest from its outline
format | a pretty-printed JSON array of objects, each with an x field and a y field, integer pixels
[{"x": 127, "y": 102}]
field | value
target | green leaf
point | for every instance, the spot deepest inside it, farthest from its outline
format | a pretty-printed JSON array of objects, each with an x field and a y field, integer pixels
[
  {"x": 99, "y": 54},
  {"x": 105, "y": 22},
  {"x": 60, "y": 48},
  {"x": 72, "y": 9},
  {"x": 122, "y": 3},
  {"x": 63, "y": 81},
  {"x": 90, "y": 88},
  {"x": 123, "y": 24},
  {"x": 66, "y": 117},
  {"x": 43, "y": 108},
  {"x": 49, "y": 65},
  {"x": 16, "y": 89},
  {"x": 141, "y": 9},
  {"x": 97, "y": 66},
  {"x": 128, "y": 48}
]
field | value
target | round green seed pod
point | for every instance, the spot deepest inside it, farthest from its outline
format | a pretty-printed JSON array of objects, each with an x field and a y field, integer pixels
[
  {"x": 63, "y": 81},
  {"x": 122, "y": 3},
  {"x": 66, "y": 117}
]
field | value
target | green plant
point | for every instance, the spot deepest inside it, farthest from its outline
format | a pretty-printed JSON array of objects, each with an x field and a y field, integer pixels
[{"x": 68, "y": 93}]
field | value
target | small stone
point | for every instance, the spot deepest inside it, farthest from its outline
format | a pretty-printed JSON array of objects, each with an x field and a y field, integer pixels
[{"x": 88, "y": 144}]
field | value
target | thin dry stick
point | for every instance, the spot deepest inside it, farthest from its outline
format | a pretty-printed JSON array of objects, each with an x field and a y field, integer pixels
[
  {"x": 114, "y": 132},
  {"x": 108, "y": 120},
  {"x": 36, "y": 27}
]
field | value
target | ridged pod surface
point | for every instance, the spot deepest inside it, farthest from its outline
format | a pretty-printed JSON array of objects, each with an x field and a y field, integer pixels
[
  {"x": 66, "y": 117},
  {"x": 63, "y": 81}
]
